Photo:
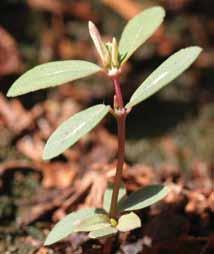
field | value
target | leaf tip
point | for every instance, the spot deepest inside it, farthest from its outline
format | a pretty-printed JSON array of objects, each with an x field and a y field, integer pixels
[
  {"x": 197, "y": 49},
  {"x": 47, "y": 155},
  {"x": 49, "y": 241},
  {"x": 10, "y": 93}
]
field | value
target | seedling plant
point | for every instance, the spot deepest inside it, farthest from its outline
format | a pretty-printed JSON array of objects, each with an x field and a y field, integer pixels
[{"x": 117, "y": 214}]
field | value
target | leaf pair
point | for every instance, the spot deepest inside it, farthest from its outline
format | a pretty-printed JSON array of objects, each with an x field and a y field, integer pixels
[
  {"x": 140, "y": 199},
  {"x": 97, "y": 221},
  {"x": 135, "y": 33},
  {"x": 100, "y": 225},
  {"x": 94, "y": 221}
]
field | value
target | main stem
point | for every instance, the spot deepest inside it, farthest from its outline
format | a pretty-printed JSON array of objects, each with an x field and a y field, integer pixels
[{"x": 121, "y": 128}]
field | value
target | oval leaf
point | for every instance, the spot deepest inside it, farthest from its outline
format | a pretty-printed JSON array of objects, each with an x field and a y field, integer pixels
[
  {"x": 69, "y": 132},
  {"x": 52, "y": 74},
  {"x": 104, "y": 232},
  {"x": 165, "y": 73},
  {"x": 139, "y": 29},
  {"x": 95, "y": 222},
  {"x": 108, "y": 195},
  {"x": 67, "y": 225},
  {"x": 144, "y": 197},
  {"x": 128, "y": 222}
]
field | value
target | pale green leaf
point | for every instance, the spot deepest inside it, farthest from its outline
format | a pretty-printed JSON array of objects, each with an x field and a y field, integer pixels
[
  {"x": 108, "y": 195},
  {"x": 139, "y": 29},
  {"x": 66, "y": 226},
  {"x": 95, "y": 222},
  {"x": 165, "y": 73},
  {"x": 104, "y": 232},
  {"x": 144, "y": 197},
  {"x": 128, "y": 222},
  {"x": 69, "y": 132},
  {"x": 52, "y": 74}
]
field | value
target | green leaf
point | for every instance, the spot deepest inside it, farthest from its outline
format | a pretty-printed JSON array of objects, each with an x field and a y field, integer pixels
[
  {"x": 52, "y": 74},
  {"x": 95, "y": 222},
  {"x": 69, "y": 132},
  {"x": 128, "y": 222},
  {"x": 165, "y": 73},
  {"x": 66, "y": 226},
  {"x": 139, "y": 29},
  {"x": 144, "y": 197},
  {"x": 108, "y": 195},
  {"x": 104, "y": 232}
]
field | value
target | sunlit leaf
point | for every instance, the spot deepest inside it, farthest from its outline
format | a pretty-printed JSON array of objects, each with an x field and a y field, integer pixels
[
  {"x": 52, "y": 74},
  {"x": 95, "y": 222},
  {"x": 165, "y": 73},
  {"x": 143, "y": 197},
  {"x": 104, "y": 232},
  {"x": 108, "y": 195},
  {"x": 128, "y": 222},
  {"x": 69, "y": 132},
  {"x": 139, "y": 29},
  {"x": 67, "y": 225}
]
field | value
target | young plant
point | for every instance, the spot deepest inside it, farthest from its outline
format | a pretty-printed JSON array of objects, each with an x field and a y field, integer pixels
[{"x": 117, "y": 213}]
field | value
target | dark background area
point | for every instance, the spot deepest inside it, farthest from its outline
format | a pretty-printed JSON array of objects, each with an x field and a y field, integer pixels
[{"x": 169, "y": 136}]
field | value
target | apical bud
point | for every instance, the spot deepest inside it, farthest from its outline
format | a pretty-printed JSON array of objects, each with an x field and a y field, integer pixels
[
  {"x": 99, "y": 45},
  {"x": 114, "y": 53}
]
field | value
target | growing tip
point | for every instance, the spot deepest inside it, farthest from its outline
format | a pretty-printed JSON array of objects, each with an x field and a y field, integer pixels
[{"x": 98, "y": 43}]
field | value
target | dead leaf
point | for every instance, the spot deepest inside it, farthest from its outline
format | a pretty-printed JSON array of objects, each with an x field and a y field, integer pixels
[{"x": 10, "y": 60}]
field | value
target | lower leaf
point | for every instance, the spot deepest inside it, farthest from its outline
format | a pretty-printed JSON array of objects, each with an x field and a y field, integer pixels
[
  {"x": 143, "y": 198},
  {"x": 104, "y": 232},
  {"x": 67, "y": 225},
  {"x": 95, "y": 222},
  {"x": 128, "y": 222}
]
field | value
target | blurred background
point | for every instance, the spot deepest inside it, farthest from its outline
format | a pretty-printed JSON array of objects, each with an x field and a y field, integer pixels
[{"x": 169, "y": 136}]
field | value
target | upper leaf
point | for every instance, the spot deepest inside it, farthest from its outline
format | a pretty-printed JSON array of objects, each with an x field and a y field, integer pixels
[
  {"x": 67, "y": 225},
  {"x": 128, "y": 222},
  {"x": 144, "y": 197},
  {"x": 138, "y": 30},
  {"x": 165, "y": 73},
  {"x": 69, "y": 132},
  {"x": 108, "y": 195},
  {"x": 52, "y": 74},
  {"x": 95, "y": 222},
  {"x": 104, "y": 232}
]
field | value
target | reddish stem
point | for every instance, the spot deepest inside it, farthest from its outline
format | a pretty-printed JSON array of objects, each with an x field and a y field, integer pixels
[
  {"x": 118, "y": 92},
  {"x": 121, "y": 128}
]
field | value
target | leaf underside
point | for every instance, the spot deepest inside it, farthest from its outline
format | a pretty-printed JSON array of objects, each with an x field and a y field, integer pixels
[
  {"x": 69, "y": 132},
  {"x": 128, "y": 222},
  {"x": 95, "y": 222},
  {"x": 144, "y": 197},
  {"x": 52, "y": 74},
  {"x": 67, "y": 225},
  {"x": 164, "y": 74},
  {"x": 138, "y": 30},
  {"x": 104, "y": 232},
  {"x": 108, "y": 195}
]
